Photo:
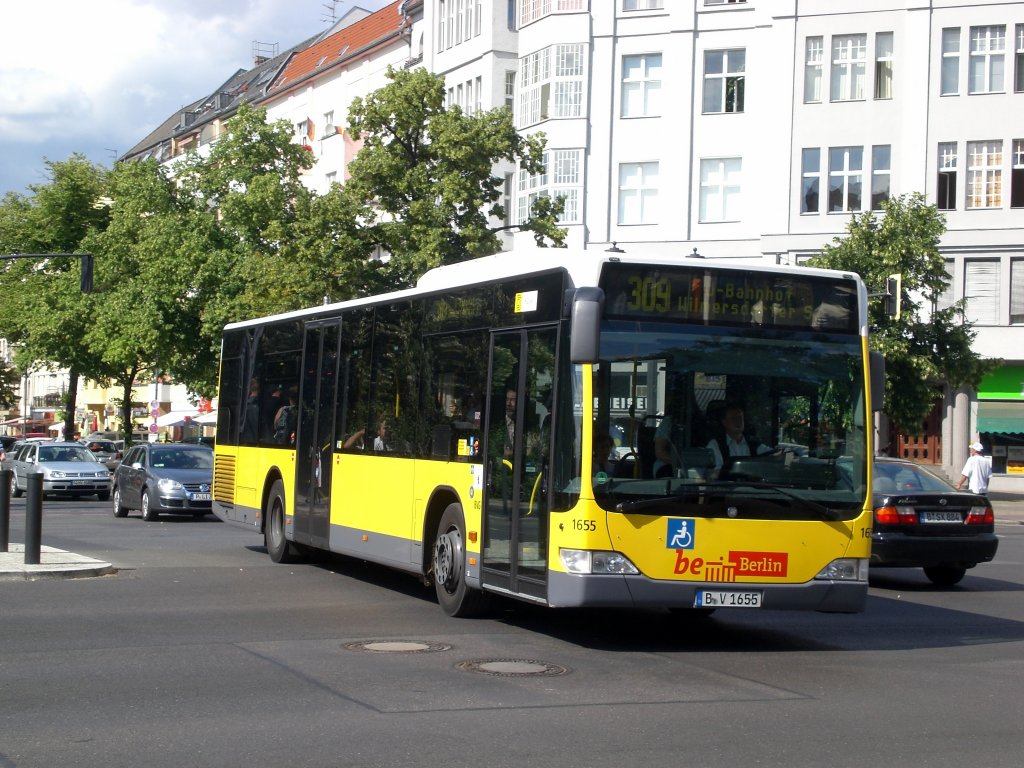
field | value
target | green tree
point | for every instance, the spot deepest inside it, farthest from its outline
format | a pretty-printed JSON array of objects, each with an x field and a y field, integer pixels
[
  {"x": 150, "y": 296},
  {"x": 9, "y": 381},
  {"x": 424, "y": 179},
  {"x": 45, "y": 312},
  {"x": 923, "y": 347}
]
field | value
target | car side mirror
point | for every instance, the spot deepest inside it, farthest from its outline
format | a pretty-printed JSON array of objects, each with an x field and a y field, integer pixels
[{"x": 137, "y": 465}]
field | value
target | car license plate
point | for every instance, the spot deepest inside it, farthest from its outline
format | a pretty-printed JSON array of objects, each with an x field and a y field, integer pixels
[
  {"x": 941, "y": 517},
  {"x": 200, "y": 497},
  {"x": 81, "y": 482},
  {"x": 719, "y": 598}
]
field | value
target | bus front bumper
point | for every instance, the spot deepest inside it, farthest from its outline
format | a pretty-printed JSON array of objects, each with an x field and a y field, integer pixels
[{"x": 619, "y": 591}]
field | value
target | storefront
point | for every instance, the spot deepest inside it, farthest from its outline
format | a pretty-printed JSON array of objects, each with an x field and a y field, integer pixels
[{"x": 1001, "y": 419}]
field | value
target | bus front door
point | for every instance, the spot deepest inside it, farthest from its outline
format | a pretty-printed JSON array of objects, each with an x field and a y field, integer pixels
[
  {"x": 517, "y": 431},
  {"x": 314, "y": 447}
]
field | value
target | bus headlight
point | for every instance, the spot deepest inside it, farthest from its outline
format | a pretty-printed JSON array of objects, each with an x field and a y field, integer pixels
[
  {"x": 585, "y": 561},
  {"x": 845, "y": 569}
]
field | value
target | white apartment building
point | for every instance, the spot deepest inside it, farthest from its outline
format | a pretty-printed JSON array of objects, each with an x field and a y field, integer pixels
[{"x": 742, "y": 129}]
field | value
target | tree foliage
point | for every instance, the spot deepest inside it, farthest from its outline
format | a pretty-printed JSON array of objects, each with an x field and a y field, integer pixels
[
  {"x": 425, "y": 179},
  {"x": 924, "y": 347}
]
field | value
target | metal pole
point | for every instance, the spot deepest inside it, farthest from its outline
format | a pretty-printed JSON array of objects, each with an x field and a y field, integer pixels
[
  {"x": 33, "y": 517},
  {"x": 5, "y": 509}
]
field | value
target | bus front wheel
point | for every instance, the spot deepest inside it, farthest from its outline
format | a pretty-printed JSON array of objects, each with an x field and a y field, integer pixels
[
  {"x": 278, "y": 547},
  {"x": 456, "y": 598}
]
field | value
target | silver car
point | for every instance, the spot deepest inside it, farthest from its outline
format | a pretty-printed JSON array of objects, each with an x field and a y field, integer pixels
[
  {"x": 68, "y": 469},
  {"x": 164, "y": 477}
]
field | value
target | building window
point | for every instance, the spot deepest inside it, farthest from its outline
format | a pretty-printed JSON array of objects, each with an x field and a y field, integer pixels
[
  {"x": 849, "y": 62},
  {"x": 641, "y": 85},
  {"x": 981, "y": 289},
  {"x": 845, "y": 178},
  {"x": 331, "y": 177},
  {"x": 638, "y": 193},
  {"x": 724, "y": 80},
  {"x": 987, "y": 59},
  {"x": 724, "y": 2},
  {"x": 881, "y": 171},
  {"x": 945, "y": 299},
  {"x": 507, "y": 199},
  {"x": 883, "y": 65},
  {"x": 1017, "y": 175},
  {"x": 642, "y": 5},
  {"x": 531, "y": 10},
  {"x": 810, "y": 186},
  {"x": 720, "y": 189},
  {"x": 945, "y": 193},
  {"x": 814, "y": 51},
  {"x": 551, "y": 84},
  {"x": 562, "y": 177},
  {"x": 1018, "y": 59},
  {"x": 1017, "y": 291},
  {"x": 984, "y": 174},
  {"x": 950, "y": 61},
  {"x": 510, "y": 88}
]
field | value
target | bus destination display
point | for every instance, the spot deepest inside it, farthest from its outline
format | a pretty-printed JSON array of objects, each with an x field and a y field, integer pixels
[{"x": 729, "y": 297}]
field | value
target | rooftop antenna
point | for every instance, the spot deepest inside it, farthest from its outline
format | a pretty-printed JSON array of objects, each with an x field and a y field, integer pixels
[{"x": 330, "y": 15}]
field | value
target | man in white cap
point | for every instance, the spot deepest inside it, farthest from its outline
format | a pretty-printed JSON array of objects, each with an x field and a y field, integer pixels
[{"x": 977, "y": 471}]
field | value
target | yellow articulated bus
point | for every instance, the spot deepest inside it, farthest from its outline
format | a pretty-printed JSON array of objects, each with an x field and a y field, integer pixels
[{"x": 569, "y": 428}]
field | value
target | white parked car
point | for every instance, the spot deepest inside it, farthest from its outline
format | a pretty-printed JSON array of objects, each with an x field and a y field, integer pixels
[{"x": 68, "y": 469}]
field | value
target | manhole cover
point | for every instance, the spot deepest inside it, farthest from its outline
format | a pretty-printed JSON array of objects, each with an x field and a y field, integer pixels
[
  {"x": 512, "y": 667},
  {"x": 396, "y": 646}
]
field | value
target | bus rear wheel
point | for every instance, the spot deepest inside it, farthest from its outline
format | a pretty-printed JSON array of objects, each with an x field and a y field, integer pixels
[
  {"x": 449, "y": 564},
  {"x": 278, "y": 547}
]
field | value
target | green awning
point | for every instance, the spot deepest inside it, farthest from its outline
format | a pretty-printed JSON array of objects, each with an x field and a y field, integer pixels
[
  {"x": 1005, "y": 383},
  {"x": 1001, "y": 417}
]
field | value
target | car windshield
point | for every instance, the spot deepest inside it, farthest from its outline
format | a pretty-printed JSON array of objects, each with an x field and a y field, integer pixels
[
  {"x": 897, "y": 477},
  {"x": 49, "y": 453},
  {"x": 771, "y": 419},
  {"x": 179, "y": 458},
  {"x": 102, "y": 446}
]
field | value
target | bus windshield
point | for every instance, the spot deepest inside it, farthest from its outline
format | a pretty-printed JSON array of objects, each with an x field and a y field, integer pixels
[{"x": 720, "y": 421}]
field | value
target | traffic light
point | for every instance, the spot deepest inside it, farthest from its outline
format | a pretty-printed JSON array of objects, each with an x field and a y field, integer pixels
[
  {"x": 86, "y": 272},
  {"x": 893, "y": 288}
]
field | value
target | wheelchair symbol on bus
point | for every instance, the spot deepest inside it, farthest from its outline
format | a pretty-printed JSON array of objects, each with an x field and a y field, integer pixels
[{"x": 680, "y": 534}]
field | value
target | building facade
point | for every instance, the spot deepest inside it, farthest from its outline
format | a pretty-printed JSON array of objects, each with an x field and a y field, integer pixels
[{"x": 742, "y": 129}]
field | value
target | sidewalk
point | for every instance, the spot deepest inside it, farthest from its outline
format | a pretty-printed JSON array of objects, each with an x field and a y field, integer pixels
[{"x": 53, "y": 564}]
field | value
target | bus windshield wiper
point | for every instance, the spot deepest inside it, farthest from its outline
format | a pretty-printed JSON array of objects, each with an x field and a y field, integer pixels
[
  {"x": 827, "y": 513},
  {"x": 689, "y": 492}
]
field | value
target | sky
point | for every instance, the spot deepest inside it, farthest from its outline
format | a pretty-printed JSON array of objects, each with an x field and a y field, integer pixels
[{"x": 96, "y": 76}]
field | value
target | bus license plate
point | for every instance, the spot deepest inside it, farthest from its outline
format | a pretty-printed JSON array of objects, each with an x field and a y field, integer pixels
[
  {"x": 200, "y": 497},
  {"x": 719, "y": 598}
]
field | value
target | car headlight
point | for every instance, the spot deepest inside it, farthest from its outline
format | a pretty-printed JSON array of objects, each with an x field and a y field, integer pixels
[
  {"x": 53, "y": 473},
  {"x": 585, "y": 561},
  {"x": 845, "y": 569},
  {"x": 166, "y": 484}
]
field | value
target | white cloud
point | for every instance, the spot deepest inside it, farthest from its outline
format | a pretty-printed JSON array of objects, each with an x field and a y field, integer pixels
[{"x": 96, "y": 76}]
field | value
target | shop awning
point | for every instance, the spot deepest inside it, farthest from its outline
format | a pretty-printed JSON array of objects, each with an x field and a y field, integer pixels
[
  {"x": 206, "y": 419},
  {"x": 1005, "y": 418},
  {"x": 176, "y": 418}
]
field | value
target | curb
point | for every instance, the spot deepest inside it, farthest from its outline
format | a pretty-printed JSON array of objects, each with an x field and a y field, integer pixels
[{"x": 53, "y": 564}]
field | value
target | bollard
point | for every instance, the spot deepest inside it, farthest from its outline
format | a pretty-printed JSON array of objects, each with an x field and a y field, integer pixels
[
  {"x": 33, "y": 517},
  {"x": 5, "y": 509}
]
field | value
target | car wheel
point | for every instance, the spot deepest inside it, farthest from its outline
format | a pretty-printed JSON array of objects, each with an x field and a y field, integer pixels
[
  {"x": 15, "y": 491},
  {"x": 278, "y": 547},
  {"x": 945, "y": 575},
  {"x": 119, "y": 509},
  {"x": 449, "y": 565},
  {"x": 148, "y": 512}
]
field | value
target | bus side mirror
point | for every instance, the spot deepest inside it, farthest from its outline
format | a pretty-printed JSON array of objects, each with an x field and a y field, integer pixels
[
  {"x": 877, "y": 373},
  {"x": 585, "y": 334}
]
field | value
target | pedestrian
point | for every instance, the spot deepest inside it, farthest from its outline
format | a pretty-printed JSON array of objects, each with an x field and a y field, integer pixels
[{"x": 977, "y": 471}]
